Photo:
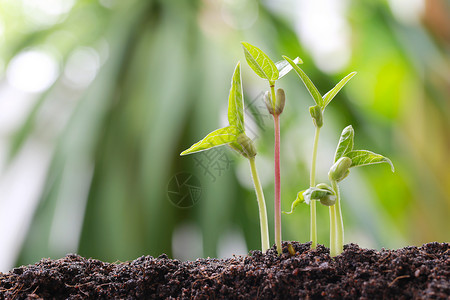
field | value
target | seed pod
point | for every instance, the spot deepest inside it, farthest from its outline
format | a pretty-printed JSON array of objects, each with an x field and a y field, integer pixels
[
  {"x": 291, "y": 249},
  {"x": 317, "y": 115},
  {"x": 281, "y": 100},
  {"x": 268, "y": 101},
  {"x": 328, "y": 200},
  {"x": 340, "y": 169},
  {"x": 248, "y": 146}
]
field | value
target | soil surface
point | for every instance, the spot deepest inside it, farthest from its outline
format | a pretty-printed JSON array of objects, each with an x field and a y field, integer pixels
[{"x": 407, "y": 273}]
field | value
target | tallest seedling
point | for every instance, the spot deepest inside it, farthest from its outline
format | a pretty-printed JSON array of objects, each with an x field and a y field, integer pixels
[
  {"x": 317, "y": 117},
  {"x": 265, "y": 68}
]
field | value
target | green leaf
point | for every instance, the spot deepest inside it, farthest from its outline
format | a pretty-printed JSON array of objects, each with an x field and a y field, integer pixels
[
  {"x": 345, "y": 143},
  {"x": 296, "y": 202},
  {"x": 308, "y": 83},
  {"x": 331, "y": 93},
  {"x": 284, "y": 67},
  {"x": 263, "y": 66},
  {"x": 216, "y": 138},
  {"x": 235, "y": 100},
  {"x": 365, "y": 157}
]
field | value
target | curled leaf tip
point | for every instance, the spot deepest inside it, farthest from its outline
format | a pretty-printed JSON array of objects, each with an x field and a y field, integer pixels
[
  {"x": 391, "y": 164},
  {"x": 296, "y": 202}
]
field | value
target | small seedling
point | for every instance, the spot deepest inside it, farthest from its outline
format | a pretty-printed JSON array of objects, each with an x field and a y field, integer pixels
[
  {"x": 317, "y": 117},
  {"x": 344, "y": 159},
  {"x": 234, "y": 136},
  {"x": 265, "y": 68}
]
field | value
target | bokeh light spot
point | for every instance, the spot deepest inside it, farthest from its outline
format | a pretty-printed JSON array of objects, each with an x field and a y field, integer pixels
[
  {"x": 32, "y": 71},
  {"x": 81, "y": 67}
]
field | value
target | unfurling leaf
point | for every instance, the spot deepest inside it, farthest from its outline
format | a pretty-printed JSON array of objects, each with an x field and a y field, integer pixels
[
  {"x": 308, "y": 83},
  {"x": 235, "y": 100},
  {"x": 331, "y": 93},
  {"x": 296, "y": 202},
  {"x": 324, "y": 186},
  {"x": 314, "y": 193},
  {"x": 216, "y": 138},
  {"x": 345, "y": 143},
  {"x": 284, "y": 67},
  {"x": 263, "y": 66},
  {"x": 365, "y": 157}
]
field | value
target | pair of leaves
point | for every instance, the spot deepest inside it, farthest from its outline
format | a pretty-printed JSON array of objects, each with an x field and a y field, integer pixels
[
  {"x": 263, "y": 66},
  {"x": 358, "y": 157},
  {"x": 321, "y": 101},
  {"x": 228, "y": 134}
]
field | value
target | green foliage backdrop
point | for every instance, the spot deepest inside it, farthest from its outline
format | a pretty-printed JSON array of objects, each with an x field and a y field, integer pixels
[{"x": 164, "y": 84}]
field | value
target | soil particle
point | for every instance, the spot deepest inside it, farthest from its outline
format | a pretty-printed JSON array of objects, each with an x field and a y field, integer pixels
[{"x": 407, "y": 273}]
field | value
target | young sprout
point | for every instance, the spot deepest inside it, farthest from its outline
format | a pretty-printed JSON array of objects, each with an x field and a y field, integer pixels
[
  {"x": 234, "y": 136},
  {"x": 317, "y": 117},
  {"x": 344, "y": 159},
  {"x": 265, "y": 68}
]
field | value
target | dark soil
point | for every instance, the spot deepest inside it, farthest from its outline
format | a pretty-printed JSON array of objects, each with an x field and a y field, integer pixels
[{"x": 408, "y": 273}]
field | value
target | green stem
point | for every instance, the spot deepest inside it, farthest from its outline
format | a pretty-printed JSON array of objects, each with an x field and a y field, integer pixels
[
  {"x": 339, "y": 225},
  {"x": 312, "y": 183},
  {"x": 277, "y": 202},
  {"x": 277, "y": 211},
  {"x": 273, "y": 95},
  {"x": 333, "y": 251},
  {"x": 261, "y": 206}
]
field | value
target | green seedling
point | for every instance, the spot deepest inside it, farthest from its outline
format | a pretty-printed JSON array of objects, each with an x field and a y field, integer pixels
[
  {"x": 265, "y": 68},
  {"x": 346, "y": 158},
  {"x": 234, "y": 136},
  {"x": 317, "y": 118}
]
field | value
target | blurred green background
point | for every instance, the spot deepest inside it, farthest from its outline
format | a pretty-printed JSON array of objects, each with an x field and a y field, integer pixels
[{"x": 98, "y": 98}]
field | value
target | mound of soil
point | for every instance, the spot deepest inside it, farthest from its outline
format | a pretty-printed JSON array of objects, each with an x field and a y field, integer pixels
[{"x": 411, "y": 272}]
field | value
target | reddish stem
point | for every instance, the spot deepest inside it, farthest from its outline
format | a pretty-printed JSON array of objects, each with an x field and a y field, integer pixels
[{"x": 276, "y": 119}]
